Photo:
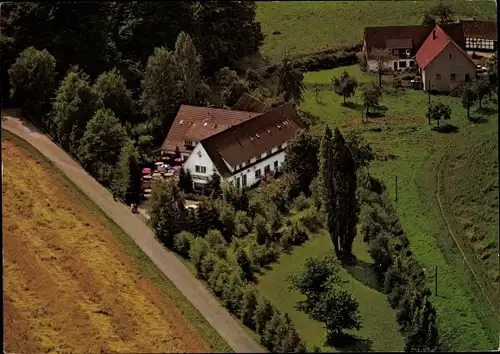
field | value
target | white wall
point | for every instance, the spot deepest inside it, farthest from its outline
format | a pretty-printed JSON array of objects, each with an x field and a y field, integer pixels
[
  {"x": 372, "y": 64},
  {"x": 199, "y": 157},
  {"x": 250, "y": 172}
]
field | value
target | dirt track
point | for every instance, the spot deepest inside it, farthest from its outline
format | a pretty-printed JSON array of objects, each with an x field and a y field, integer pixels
[{"x": 165, "y": 260}]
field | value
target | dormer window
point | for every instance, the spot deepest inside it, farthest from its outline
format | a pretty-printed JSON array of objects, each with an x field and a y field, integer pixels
[{"x": 188, "y": 143}]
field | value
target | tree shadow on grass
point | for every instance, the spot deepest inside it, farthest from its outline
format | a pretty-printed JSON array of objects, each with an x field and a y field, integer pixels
[
  {"x": 352, "y": 105},
  {"x": 446, "y": 129},
  {"x": 349, "y": 343},
  {"x": 364, "y": 273}
]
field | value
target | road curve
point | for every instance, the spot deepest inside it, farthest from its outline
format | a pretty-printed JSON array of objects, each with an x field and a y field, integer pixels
[{"x": 166, "y": 261}]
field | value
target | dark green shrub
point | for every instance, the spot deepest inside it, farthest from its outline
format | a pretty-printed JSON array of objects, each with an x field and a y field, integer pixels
[{"x": 182, "y": 243}]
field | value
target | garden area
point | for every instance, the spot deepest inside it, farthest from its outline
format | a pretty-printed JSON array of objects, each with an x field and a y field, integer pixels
[
  {"x": 305, "y": 27},
  {"x": 409, "y": 150}
]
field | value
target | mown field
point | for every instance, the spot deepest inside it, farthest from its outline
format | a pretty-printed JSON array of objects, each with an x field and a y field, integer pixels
[
  {"x": 379, "y": 331},
  {"x": 410, "y": 150},
  {"x": 73, "y": 281},
  {"x": 312, "y": 26}
]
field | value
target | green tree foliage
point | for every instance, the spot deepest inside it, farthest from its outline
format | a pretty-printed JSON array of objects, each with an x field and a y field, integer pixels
[
  {"x": 101, "y": 144},
  {"x": 232, "y": 93},
  {"x": 339, "y": 183},
  {"x": 189, "y": 65},
  {"x": 235, "y": 196},
  {"x": 197, "y": 252},
  {"x": 226, "y": 219},
  {"x": 264, "y": 312},
  {"x": 208, "y": 264},
  {"x": 249, "y": 303},
  {"x": 438, "y": 14},
  {"x": 362, "y": 152},
  {"x": 290, "y": 81},
  {"x": 301, "y": 159},
  {"x": 225, "y": 31},
  {"x": 213, "y": 187},
  {"x": 438, "y": 111},
  {"x": 126, "y": 183},
  {"x": 344, "y": 85},
  {"x": 232, "y": 292},
  {"x": 481, "y": 87},
  {"x": 244, "y": 262},
  {"x": 33, "y": 81},
  {"x": 423, "y": 334},
  {"x": 207, "y": 217},
  {"x": 469, "y": 97},
  {"x": 261, "y": 232},
  {"x": 225, "y": 77},
  {"x": 326, "y": 301},
  {"x": 242, "y": 224},
  {"x": 167, "y": 212},
  {"x": 219, "y": 277},
  {"x": 185, "y": 181},
  {"x": 112, "y": 92},
  {"x": 370, "y": 96},
  {"x": 182, "y": 243},
  {"x": 162, "y": 90},
  {"x": 73, "y": 106},
  {"x": 214, "y": 238},
  {"x": 268, "y": 338}
]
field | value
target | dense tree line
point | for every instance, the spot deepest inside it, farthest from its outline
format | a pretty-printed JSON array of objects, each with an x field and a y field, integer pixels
[
  {"x": 400, "y": 274},
  {"x": 102, "y": 35}
]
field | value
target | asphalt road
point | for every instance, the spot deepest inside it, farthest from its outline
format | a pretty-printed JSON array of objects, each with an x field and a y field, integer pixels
[{"x": 166, "y": 261}]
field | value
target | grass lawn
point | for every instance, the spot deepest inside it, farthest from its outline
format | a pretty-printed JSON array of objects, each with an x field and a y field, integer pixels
[
  {"x": 147, "y": 271},
  {"x": 379, "y": 331},
  {"x": 466, "y": 320},
  {"x": 311, "y": 26}
]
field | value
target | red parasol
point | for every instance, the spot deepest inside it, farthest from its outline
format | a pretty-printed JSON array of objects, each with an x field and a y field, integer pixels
[
  {"x": 179, "y": 159},
  {"x": 146, "y": 171},
  {"x": 165, "y": 158}
]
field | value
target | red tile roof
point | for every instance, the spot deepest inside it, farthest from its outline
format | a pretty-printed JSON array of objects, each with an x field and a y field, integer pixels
[
  {"x": 433, "y": 45},
  {"x": 398, "y": 43},
  {"x": 248, "y": 103},
  {"x": 378, "y": 37},
  {"x": 253, "y": 137},
  {"x": 480, "y": 29},
  {"x": 189, "y": 124}
]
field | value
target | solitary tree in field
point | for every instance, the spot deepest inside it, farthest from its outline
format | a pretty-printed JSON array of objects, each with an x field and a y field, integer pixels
[
  {"x": 345, "y": 85},
  {"x": 438, "y": 14},
  {"x": 469, "y": 97},
  {"x": 382, "y": 59},
  {"x": 481, "y": 87},
  {"x": 370, "y": 94},
  {"x": 438, "y": 111},
  {"x": 33, "y": 81}
]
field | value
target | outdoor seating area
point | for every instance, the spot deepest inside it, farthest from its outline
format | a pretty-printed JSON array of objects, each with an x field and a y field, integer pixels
[{"x": 167, "y": 167}]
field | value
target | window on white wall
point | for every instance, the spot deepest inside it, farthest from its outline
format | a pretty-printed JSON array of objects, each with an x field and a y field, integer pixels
[
  {"x": 203, "y": 169},
  {"x": 276, "y": 164},
  {"x": 244, "y": 180},
  {"x": 257, "y": 173},
  {"x": 197, "y": 168},
  {"x": 267, "y": 168},
  {"x": 200, "y": 169}
]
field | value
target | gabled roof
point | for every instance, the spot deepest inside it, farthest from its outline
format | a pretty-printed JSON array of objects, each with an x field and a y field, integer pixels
[
  {"x": 435, "y": 43},
  {"x": 248, "y": 103},
  {"x": 197, "y": 123},
  {"x": 398, "y": 43},
  {"x": 480, "y": 29},
  {"x": 253, "y": 137},
  {"x": 378, "y": 37}
]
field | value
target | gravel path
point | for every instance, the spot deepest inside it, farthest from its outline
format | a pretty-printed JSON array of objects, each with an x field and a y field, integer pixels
[{"x": 165, "y": 260}]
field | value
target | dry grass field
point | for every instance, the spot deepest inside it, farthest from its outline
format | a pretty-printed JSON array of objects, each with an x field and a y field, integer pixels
[{"x": 69, "y": 286}]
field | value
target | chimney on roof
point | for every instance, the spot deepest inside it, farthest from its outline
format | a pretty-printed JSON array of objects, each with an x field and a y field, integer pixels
[{"x": 433, "y": 34}]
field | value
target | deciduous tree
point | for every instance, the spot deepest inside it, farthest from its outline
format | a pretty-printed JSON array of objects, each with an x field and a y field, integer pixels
[
  {"x": 469, "y": 97},
  {"x": 185, "y": 181},
  {"x": 263, "y": 314},
  {"x": 301, "y": 159},
  {"x": 111, "y": 90},
  {"x": 481, "y": 87},
  {"x": 33, "y": 81},
  {"x": 73, "y": 106},
  {"x": 382, "y": 59},
  {"x": 126, "y": 183},
  {"x": 438, "y": 111},
  {"x": 370, "y": 95},
  {"x": 101, "y": 144},
  {"x": 167, "y": 213},
  {"x": 344, "y": 85},
  {"x": 249, "y": 303}
]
